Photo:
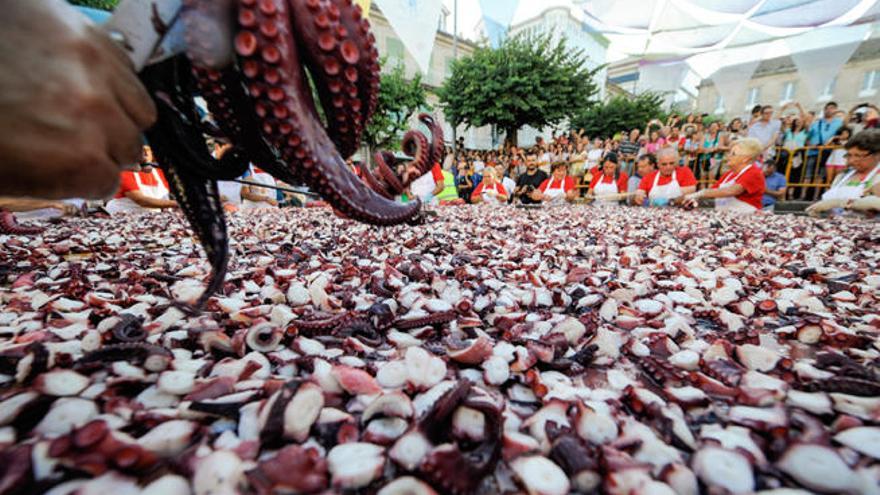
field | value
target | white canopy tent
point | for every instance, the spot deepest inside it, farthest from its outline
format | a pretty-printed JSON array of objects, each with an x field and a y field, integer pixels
[{"x": 725, "y": 40}]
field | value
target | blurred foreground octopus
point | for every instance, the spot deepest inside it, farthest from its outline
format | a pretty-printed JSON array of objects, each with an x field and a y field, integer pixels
[{"x": 254, "y": 62}]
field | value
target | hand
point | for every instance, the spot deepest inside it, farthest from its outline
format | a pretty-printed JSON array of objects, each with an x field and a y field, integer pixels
[
  {"x": 66, "y": 209},
  {"x": 71, "y": 106},
  {"x": 820, "y": 207},
  {"x": 866, "y": 203}
]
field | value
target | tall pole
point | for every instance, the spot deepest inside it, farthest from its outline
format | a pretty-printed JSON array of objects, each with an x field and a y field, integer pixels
[{"x": 454, "y": 57}]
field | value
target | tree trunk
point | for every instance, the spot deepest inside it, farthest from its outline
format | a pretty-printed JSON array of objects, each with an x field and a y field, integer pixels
[{"x": 510, "y": 137}]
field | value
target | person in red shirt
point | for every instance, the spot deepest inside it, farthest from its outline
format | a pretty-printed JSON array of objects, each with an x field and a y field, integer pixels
[
  {"x": 669, "y": 183},
  {"x": 143, "y": 189},
  {"x": 490, "y": 189},
  {"x": 609, "y": 187},
  {"x": 742, "y": 187},
  {"x": 558, "y": 188}
]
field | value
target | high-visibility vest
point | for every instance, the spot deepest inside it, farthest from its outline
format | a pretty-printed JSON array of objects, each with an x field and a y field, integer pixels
[{"x": 449, "y": 191}]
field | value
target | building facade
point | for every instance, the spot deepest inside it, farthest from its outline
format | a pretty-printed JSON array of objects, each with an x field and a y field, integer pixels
[
  {"x": 777, "y": 81},
  {"x": 392, "y": 48}
]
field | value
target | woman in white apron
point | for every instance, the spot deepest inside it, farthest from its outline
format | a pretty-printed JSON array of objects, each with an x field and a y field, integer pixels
[
  {"x": 140, "y": 195},
  {"x": 741, "y": 189},
  {"x": 859, "y": 188},
  {"x": 553, "y": 191},
  {"x": 255, "y": 197},
  {"x": 490, "y": 191},
  {"x": 605, "y": 188}
]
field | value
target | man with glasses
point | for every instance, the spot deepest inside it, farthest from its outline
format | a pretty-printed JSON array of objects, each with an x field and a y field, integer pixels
[
  {"x": 668, "y": 184},
  {"x": 766, "y": 130},
  {"x": 857, "y": 189}
]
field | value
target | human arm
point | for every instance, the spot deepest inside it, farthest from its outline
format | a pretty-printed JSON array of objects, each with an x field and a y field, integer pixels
[
  {"x": 778, "y": 194},
  {"x": 249, "y": 193},
  {"x": 147, "y": 202},
  {"x": 438, "y": 188},
  {"x": 71, "y": 105},
  {"x": 29, "y": 204}
]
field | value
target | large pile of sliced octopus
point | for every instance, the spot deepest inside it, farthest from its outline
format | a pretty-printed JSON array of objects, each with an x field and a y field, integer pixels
[{"x": 571, "y": 350}]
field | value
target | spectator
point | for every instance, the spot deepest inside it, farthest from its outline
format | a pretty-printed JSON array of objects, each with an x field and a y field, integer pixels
[
  {"x": 711, "y": 154},
  {"x": 741, "y": 189},
  {"x": 644, "y": 166},
  {"x": 254, "y": 197},
  {"x": 608, "y": 186},
  {"x": 735, "y": 130},
  {"x": 141, "y": 190},
  {"x": 578, "y": 161},
  {"x": 594, "y": 156},
  {"x": 766, "y": 130},
  {"x": 530, "y": 181},
  {"x": 465, "y": 179},
  {"x": 490, "y": 189},
  {"x": 857, "y": 190},
  {"x": 556, "y": 189},
  {"x": 655, "y": 142},
  {"x": 669, "y": 183},
  {"x": 776, "y": 186},
  {"x": 629, "y": 151},
  {"x": 820, "y": 134},
  {"x": 837, "y": 160}
]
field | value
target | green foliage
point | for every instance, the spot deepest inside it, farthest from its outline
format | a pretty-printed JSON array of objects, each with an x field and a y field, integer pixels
[
  {"x": 96, "y": 4},
  {"x": 527, "y": 81},
  {"x": 619, "y": 114},
  {"x": 399, "y": 99}
]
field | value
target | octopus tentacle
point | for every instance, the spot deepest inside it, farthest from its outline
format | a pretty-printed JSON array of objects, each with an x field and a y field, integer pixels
[
  {"x": 335, "y": 37},
  {"x": 8, "y": 225},
  {"x": 280, "y": 90},
  {"x": 208, "y": 32}
]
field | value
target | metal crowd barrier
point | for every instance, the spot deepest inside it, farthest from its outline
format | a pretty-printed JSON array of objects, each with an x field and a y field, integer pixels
[{"x": 805, "y": 170}]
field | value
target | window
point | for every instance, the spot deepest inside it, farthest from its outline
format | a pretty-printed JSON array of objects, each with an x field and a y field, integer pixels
[
  {"x": 754, "y": 97},
  {"x": 719, "y": 104},
  {"x": 395, "y": 51},
  {"x": 870, "y": 83},
  {"x": 828, "y": 91},
  {"x": 787, "y": 92}
]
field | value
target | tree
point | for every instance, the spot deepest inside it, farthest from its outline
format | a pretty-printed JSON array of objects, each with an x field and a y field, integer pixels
[
  {"x": 96, "y": 4},
  {"x": 399, "y": 99},
  {"x": 527, "y": 81},
  {"x": 618, "y": 114}
]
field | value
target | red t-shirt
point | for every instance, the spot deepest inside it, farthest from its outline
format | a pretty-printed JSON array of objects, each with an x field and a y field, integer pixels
[
  {"x": 683, "y": 175},
  {"x": 752, "y": 180},
  {"x": 621, "y": 181},
  {"x": 567, "y": 184},
  {"x": 128, "y": 183},
  {"x": 437, "y": 173},
  {"x": 497, "y": 187}
]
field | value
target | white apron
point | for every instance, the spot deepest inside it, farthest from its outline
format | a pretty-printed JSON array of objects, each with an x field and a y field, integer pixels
[
  {"x": 259, "y": 178},
  {"x": 732, "y": 204},
  {"x": 491, "y": 198},
  {"x": 555, "y": 195},
  {"x": 603, "y": 189},
  {"x": 158, "y": 191},
  {"x": 661, "y": 195},
  {"x": 845, "y": 192},
  {"x": 230, "y": 190}
]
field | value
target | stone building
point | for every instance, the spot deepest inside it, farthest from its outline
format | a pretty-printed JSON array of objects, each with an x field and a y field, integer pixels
[
  {"x": 390, "y": 46},
  {"x": 777, "y": 81}
]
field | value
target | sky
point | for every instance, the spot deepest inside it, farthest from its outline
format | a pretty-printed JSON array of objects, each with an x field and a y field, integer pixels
[{"x": 469, "y": 14}]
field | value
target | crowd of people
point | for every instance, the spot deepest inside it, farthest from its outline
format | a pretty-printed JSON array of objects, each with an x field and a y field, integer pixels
[
  {"x": 800, "y": 154},
  {"x": 743, "y": 168}
]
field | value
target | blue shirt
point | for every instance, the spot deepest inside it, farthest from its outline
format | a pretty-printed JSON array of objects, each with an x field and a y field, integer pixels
[
  {"x": 774, "y": 183},
  {"x": 821, "y": 132}
]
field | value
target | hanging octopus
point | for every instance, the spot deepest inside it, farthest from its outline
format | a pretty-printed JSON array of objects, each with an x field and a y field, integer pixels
[{"x": 254, "y": 61}]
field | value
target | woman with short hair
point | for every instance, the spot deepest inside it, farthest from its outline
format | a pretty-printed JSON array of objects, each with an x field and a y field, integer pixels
[{"x": 742, "y": 187}]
